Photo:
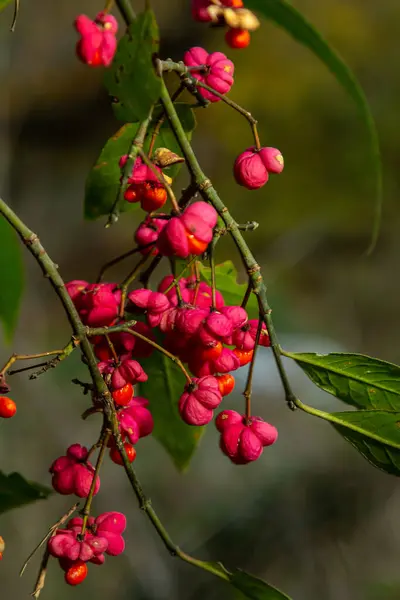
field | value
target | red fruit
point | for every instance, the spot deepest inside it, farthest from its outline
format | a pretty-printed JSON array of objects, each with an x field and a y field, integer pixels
[
  {"x": 96, "y": 59},
  {"x": 124, "y": 395},
  {"x": 153, "y": 196},
  {"x": 117, "y": 458},
  {"x": 244, "y": 356},
  {"x": 226, "y": 383},
  {"x": 77, "y": 573},
  {"x": 8, "y": 408},
  {"x": 196, "y": 246},
  {"x": 211, "y": 352},
  {"x": 131, "y": 194},
  {"x": 237, "y": 38},
  {"x": 103, "y": 352}
]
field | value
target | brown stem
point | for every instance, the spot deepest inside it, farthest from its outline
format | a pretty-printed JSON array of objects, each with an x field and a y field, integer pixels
[
  {"x": 119, "y": 259},
  {"x": 43, "y": 565},
  {"x": 126, "y": 327},
  {"x": 247, "y": 294},
  {"x": 112, "y": 349}
]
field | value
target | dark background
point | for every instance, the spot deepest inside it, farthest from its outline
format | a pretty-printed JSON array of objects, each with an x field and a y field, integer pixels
[{"x": 310, "y": 516}]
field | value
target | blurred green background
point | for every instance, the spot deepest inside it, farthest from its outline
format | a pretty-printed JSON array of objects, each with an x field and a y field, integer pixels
[{"x": 311, "y": 516}]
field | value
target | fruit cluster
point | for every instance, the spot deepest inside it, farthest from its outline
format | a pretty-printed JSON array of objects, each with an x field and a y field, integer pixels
[
  {"x": 191, "y": 321},
  {"x": 217, "y": 73},
  {"x": 232, "y": 13},
  {"x": 185, "y": 318},
  {"x": 102, "y": 535}
]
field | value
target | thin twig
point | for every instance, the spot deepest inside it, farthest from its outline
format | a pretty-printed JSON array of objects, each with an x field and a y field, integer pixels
[
  {"x": 15, "y": 16},
  {"x": 161, "y": 121},
  {"x": 136, "y": 145},
  {"x": 175, "y": 281},
  {"x": 126, "y": 328},
  {"x": 60, "y": 355},
  {"x": 119, "y": 259},
  {"x": 145, "y": 276},
  {"x": 192, "y": 83},
  {"x": 49, "y": 534},
  {"x": 247, "y": 294}
]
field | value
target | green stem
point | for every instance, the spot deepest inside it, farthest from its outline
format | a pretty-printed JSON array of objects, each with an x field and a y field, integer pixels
[
  {"x": 191, "y": 82},
  {"x": 16, "y": 357},
  {"x": 137, "y": 145},
  {"x": 126, "y": 10},
  {"x": 175, "y": 281},
  {"x": 249, "y": 226},
  {"x": 160, "y": 122},
  {"x": 332, "y": 418},
  {"x": 49, "y": 269},
  {"x": 109, "y": 6},
  {"x": 210, "y": 194}
]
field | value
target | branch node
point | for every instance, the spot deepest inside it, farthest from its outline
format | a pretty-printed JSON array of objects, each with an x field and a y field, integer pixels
[
  {"x": 204, "y": 185},
  {"x": 254, "y": 269},
  {"x": 31, "y": 239}
]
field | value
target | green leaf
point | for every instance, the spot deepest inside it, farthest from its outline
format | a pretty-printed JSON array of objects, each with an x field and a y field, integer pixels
[
  {"x": 132, "y": 80},
  {"x": 103, "y": 182},
  {"x": 16, "y": 491},
  {"x": 374, "y": 433},
  {"x": 358, "y": 380},
  {"x": 11, "y": 273},
  {"x": 379, "y": 455},
  {"x": 380, "y": 425},
  {"x": 255, "y": 588},
  {"x": 233, "y": 292},
  {"x": 163, "y": 390},
  {"x": 286, "y": 16}
]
